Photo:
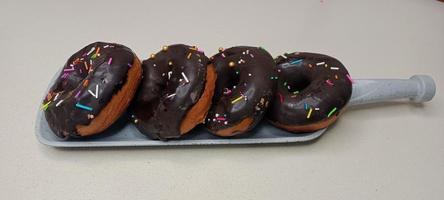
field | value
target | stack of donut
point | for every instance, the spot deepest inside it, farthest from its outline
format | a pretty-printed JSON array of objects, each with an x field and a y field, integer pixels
[{"x": 178, "y": 88}]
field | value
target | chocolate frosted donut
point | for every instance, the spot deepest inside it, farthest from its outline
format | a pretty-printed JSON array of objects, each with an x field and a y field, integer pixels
[
  {"x": 93, "y": 90},
  {"x": 312, "y": 90},
  {"x": 175, "y": 93},
  {"x": 244, "y": 88}
]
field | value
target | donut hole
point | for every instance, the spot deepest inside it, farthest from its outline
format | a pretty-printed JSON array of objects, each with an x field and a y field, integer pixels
[
  {"x": 234, "y": 79},
  {"x": 297, "y": 84}
]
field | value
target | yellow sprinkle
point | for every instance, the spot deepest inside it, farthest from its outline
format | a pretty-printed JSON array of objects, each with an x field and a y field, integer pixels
[
  {"x": 237, "y": 99},
  {"x": 170, "y": 63},
  {"x": 231, "y": 64},
  {"x": 152, "y": 55},
  {"x": 309, "y": 113},
  {"x": 326, "y": 65},
  {"x": 164, "y": 48},
  {"x": 189, "y": 55}
]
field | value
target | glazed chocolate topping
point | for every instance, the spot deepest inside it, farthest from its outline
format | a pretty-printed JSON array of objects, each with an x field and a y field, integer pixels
[
  {"x": 173, "y": 81},
  {"x": 244, "y": 87},
  {"x": 88, "y": 81},
  {"x": 311, "y": 88}
]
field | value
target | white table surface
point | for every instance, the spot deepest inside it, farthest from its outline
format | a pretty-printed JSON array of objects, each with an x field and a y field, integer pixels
[{"x": 393, "y": 151}]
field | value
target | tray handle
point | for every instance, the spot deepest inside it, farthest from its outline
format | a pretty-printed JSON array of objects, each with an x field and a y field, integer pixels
[{"x": 418, "y": 89}]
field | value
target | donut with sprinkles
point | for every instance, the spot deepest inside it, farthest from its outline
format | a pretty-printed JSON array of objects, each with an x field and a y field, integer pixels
[
  {"x": 311, "y": 92},
  {"x": 243, "y": 89},
  {"x": 175, "y": 93},
  {"x": 92, "y": 91}
]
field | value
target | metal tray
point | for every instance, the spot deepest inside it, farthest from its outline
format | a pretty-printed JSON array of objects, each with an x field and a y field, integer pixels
[{"x": 418, "y": 88}]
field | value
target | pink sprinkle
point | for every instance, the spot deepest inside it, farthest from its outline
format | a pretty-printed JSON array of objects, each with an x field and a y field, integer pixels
[
  {"x": 349, "y": 78},
  {"x": 281, "y": 98},
  {"x": 109, "y": 61},
  {"x": 69, "y": 70},
  {"x": 77, "y": 95},
  {"x": 329, "y": 82},
  {"x": 129, "y": 65},
  {"x": 220, "y": 118},
  {"x": 64, "y": 75},
  {"x": 223, "y": 55}
]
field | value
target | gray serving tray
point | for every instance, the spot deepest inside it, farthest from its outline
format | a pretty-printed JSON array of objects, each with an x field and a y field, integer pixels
[{"x": 419, "y": 88}]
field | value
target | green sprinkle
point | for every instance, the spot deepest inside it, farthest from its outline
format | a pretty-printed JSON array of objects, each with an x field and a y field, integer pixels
[
  {"x": 45, "y": 106},
  {"x": 331, "y": 112},
  {"x": 285, "y": 83},
  {"x": 296, "y": 92},
  {"x": 237, "y": 72}
]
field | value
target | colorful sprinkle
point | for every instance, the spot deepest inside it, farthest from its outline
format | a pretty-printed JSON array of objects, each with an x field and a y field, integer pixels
[
  {"x": 306, "y": 106},
  {"x": 309, "y": 113},
  {"x": 328, "y": 81},
  {"x": 109, "y": 61},
  {"x": 320, "y": 63},
  {"x": 185, "y": 77},
  {"x": 171, "y": 95},
  {"x": 231, "y": 64},
  {"x": 78, "y": 105},
  {"x": 130, "y": 65},
  {"x": 237, "y": 99},
  {"x": 45, "y": 106},
  {"x": 334, "y": 68},
  {"x": 331, "y": 112},
  {"x": 281, "y": 98},
  {"x": 189, "y": 55},
  {"x": 96, "y": 94},
  {"x": 296, "y": 62},
  {"x": 77, "y": 94},
  {"x": 90, "y": 51},
  {"x": 58, "y": 103},
  {"x": 86, "y": 65}
]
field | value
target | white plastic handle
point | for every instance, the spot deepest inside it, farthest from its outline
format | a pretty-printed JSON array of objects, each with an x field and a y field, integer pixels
[{"x": 419, "y": 88}]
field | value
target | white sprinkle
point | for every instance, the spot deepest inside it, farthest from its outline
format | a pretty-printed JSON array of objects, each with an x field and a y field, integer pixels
[
  {"x": 252, "y": 55},
  {"x": 96, "y": 94},
  {"x": 58, "y": 103},
  {"x": 185, "y": 77},
  {"x": 57, "y": 95},
  {"x": 216, "y": 115},
  {"x": 320, "y": 63},
  {"x": 316, "y": 108},
  {"x": 106, "y": 46},
  {"x": 283, "y": 56},
  {"x": 163, "y": 74},
  {"x": 169, "y": 74},
  {"x": 223, "y": 55},
  {"x": 90, "y": 62},
  {"x": 90, "y": 51},
  {"x": 249, "y": 74},
  {"x": 243, "y": 52},
  {"x": 248, "y": 51},
  {"x": 334, "y": 68},
  {"x": 225, "y": 122},
  {"x": 171, "y": 95}
]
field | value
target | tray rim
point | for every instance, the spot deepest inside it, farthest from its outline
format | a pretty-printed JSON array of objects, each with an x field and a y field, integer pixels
[{"x": 157, "y": 143}]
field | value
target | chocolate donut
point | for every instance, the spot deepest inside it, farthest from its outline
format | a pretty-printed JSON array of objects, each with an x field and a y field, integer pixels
[
  {"x": 312, "y": 90},
  {"x": 244, "y": 88},
  {"x": 94, "y": 88},
  {"x": 175, "y": 93}
]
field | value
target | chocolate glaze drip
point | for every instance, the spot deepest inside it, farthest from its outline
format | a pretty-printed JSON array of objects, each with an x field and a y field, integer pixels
[
  {"x": 244, "y": 87},
  {"x": 86, "y": 84},
  {"x": 309, "y": 81},
  {"x": 173, "y": 81}
]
